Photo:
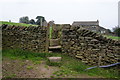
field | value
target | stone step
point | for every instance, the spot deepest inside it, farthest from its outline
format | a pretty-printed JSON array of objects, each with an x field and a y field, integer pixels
[{"x": 55, "y": 47}]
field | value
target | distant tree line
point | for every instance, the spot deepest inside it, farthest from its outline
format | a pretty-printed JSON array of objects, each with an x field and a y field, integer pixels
[{"x": 25, "y": 19}]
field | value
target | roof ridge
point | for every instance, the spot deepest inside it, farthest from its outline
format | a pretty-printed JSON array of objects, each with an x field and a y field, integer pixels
[{"x": 85, "y": 21}]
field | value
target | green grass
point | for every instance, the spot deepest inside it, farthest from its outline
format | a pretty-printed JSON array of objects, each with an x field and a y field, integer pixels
[
  {"x": 50, "y": 33},
  {"x": 29, "y": 67},
  {"x": 112, "y": 37},
  {"x": 11, "y": 76},
  {"x": 17, "y": 53},
  {"x": 72, "y": 64},
  {"x": 53, "y": 63},
  {"x": 68, "y": 65},
  {"x": 16, "y": 24}
]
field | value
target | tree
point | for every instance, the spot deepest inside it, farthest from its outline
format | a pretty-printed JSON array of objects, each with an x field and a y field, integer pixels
[
  {"x": 40, "y": 20},
  {"x": 116, "y": 30},
  {"x": 32, "y": 21},
  {"x": 24, "y": 20}
]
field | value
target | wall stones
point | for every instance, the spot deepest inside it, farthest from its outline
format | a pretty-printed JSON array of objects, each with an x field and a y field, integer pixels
[
  {"x": 26, "y": 38},
  {"x": 89, "y": 46}
]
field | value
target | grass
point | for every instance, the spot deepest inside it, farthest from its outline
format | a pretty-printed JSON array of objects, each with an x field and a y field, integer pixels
[
  {"x": 68, "y": 65},
  {"x": 64, "y": 72},
  {"x": 50, "y": 33},
  {"x": 53, "y": 63},
  {"x": 21, "y": 54},
  {"x": 78, "y": 66},
  {"x": 16, "y": 24},
  {"x": 112, "y": 37},
  {"x": 29, "y": 67},
  {"x": 11, "y": 76}
]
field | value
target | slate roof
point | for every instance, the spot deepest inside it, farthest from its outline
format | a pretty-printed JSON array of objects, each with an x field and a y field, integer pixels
[
  {"x": 102, "y": 28},
  {"x": 87, "y": 23}
]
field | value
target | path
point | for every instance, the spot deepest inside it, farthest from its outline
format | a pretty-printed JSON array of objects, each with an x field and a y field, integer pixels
[{"x": 27, "y": 69}]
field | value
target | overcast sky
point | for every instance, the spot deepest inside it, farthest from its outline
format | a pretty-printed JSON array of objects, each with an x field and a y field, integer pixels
[{"x": 62, "y": 11}]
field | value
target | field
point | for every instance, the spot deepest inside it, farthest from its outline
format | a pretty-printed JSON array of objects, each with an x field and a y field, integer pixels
[
  {"x": 16, "y": 24},
  {"x": 18, "y": 63},
  {"x": 112, "y": 37}
]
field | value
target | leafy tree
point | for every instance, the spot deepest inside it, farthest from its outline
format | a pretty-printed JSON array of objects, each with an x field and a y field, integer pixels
[
  {"x": 40, "y": 20},
  {"x": 24, "y": 20},
  {"x": 32, "y": 21},
  {"x": 116, "y": 30}
]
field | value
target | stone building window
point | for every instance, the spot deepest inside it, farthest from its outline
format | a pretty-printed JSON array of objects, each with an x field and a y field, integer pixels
[
  {"x": 93, "y": 26},
  {"x": 102, "y": 31}
]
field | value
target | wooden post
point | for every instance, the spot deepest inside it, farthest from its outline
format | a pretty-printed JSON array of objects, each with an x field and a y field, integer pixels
[{"x": 47, "y": 38}]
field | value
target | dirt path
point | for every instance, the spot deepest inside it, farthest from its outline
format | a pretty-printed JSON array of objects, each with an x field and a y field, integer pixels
[{"x": 27, "y": 69}]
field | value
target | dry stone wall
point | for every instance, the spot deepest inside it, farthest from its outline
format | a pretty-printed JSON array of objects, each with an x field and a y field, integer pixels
[
  {"x": 88, "y": 46},
  {"x": 26, "y": 38}
]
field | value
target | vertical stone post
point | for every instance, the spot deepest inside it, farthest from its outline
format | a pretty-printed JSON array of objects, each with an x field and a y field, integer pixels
[
  {"x": 101, "y": 52},
  {"x": 99, "y": 60},
  {"x": 47, "y": 38}
]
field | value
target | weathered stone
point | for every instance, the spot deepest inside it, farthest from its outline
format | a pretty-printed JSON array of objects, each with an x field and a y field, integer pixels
[
  {"x": 88, "y": 46},
  {"x": 26, "y": 38},
  {"x": 79, "y": 56},
  {"x": 54, "y": 59},
  {"x": 94, "y": 40}
]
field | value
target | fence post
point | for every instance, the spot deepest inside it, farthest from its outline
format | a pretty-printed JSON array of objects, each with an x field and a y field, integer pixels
[{"x": 47, "y": 38}]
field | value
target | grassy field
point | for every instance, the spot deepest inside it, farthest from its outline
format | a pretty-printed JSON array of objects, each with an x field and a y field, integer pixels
[
  {"x": 68, "y": 65},
  {"x": 16, "y": 24},
  {"x": 112, "y": 37}
]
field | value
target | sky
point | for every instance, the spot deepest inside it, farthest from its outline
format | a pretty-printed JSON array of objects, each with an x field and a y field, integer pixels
[{"x": 62, "y": 11}]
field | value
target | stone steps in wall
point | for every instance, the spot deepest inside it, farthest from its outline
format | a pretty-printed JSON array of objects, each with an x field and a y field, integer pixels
[
  {"x": 55, "y": 47},
  {"x": 55, "y": 44}
]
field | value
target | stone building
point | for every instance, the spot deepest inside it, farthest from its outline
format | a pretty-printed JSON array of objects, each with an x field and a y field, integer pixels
[{"x": 90, "y": 25}]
